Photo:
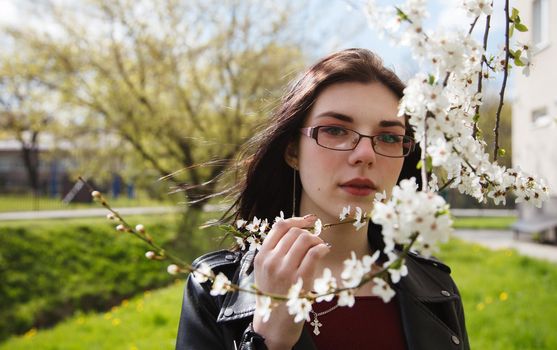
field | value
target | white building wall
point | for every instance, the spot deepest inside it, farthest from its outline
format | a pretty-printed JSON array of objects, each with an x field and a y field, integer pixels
[{"x": 534, "y": 145}]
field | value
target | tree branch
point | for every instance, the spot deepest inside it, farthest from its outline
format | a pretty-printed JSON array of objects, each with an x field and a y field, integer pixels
[
  {"x": 504, "y": 84},
  {"x": 480, "y": 74}
]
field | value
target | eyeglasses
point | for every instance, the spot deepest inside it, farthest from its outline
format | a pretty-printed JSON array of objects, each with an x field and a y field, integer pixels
[{"x": 339, "y": 138}]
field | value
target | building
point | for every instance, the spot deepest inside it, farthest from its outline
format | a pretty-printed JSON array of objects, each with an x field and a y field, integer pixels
[
  {"x": 535, "y": 106},
  {"x": 14, "y": 177}
]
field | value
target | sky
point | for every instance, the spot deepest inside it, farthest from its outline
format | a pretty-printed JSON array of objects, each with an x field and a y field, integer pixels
[{"x": 351, "y": 27}]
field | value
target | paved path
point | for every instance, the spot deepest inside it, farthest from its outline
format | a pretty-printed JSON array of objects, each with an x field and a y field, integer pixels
[
  {"x": 495, "y": 239},
  {"x": 81, "y": 213}
]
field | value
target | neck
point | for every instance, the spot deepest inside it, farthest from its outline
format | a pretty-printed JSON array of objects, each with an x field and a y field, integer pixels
[{"x": 344, "y": 240}]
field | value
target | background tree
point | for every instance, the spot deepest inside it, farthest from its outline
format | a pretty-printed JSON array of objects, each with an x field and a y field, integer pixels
[
  {"x": 25, "y": 110},
  {"x": 161, "y": 86}
]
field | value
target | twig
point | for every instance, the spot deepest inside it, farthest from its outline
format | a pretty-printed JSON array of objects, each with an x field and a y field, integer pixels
[
  {"x": 473, "y": 25},
  {"x": 480, "y": 74},
  {"x": 504, "y": 84},
  {"x": 446, "y": 184}
]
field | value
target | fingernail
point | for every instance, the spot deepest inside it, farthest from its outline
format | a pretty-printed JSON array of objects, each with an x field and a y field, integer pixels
[
  {"x": 310, "y": 216},
  {"x": 329, "y": 245}
]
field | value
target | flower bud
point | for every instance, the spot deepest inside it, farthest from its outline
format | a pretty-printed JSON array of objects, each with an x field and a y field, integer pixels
[
  {"x": 111, "y": 216},
  {"x": 150, "y": 255},
  {"x": 173, "y": 269},
  {"x": 96, "y": 195},
  {"x": 121, "y": 228},
  {"x": 140, "y": 228}
]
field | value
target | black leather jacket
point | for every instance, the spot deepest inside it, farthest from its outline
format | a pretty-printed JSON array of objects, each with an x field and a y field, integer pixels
[{"x": 430, "y": 306}]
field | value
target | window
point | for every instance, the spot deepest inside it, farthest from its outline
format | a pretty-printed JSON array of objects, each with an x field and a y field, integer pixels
[
  {"x": 540, "y": 25},
  {"x": 540, "y": 118}
]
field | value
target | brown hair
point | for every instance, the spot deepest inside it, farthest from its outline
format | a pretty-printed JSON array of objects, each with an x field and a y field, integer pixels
[{"x": 265, "y": 187}]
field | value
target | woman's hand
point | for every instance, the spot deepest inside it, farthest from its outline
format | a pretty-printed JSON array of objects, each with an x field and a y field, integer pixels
[{"x": 288, "y": 253}]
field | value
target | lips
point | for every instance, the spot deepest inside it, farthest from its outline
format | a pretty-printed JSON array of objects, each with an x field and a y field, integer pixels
[{"x": 359, "y": 187}]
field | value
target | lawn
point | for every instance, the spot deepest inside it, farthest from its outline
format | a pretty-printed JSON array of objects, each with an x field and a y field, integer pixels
[
  {"x": 509, "y": 302},
  {"x": 148, "y": 321},
  {"x": 509, "y": 299},
  {"x": 484, "y": 222},
  {"x": 10, "y": 203}
]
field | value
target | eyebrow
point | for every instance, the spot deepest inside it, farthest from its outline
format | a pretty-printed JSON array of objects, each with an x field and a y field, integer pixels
[{"x": 346, "y": 118}]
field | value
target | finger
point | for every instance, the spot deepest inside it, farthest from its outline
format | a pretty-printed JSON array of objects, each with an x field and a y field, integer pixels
[
  {"x": 286, "y": 242},
  {"x": 309, "y": 263},
  {"x": 280, "y": 228},
  {"x": 300, "y": 248}
]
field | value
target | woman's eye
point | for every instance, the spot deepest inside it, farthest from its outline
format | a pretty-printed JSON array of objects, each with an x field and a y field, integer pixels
[
  {"x": 389, "y": 138},
  {"x": 334, "y": 130}
]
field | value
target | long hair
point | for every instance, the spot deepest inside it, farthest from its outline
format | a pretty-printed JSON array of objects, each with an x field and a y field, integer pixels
[{"x": 266, "y": 180}]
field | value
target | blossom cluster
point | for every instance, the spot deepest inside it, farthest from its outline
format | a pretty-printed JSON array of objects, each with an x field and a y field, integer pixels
[
  {"x": 442, "y": 105},
  {"x": 412, "y": 216}
]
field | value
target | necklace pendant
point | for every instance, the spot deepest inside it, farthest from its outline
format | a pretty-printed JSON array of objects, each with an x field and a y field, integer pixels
[{"x": 316, "y": 324}]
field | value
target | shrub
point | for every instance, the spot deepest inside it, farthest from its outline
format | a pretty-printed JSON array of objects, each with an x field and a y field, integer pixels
[{"x": 48, "y": 272}]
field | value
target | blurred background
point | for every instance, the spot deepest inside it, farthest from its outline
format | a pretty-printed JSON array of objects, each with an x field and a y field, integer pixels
[{"x": 151, "y": 100}]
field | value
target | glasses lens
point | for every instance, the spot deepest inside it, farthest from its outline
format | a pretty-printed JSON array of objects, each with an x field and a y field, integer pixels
[
  {"x": 392, "y": 145},
  {"x": 336, "y": 137}
]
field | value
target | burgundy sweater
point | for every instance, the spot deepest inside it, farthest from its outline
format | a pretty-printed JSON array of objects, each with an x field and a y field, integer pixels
[{"x": 369, "y": 324}]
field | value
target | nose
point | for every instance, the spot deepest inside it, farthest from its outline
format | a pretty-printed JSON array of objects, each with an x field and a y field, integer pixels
[{"x": 363, "y": 153}]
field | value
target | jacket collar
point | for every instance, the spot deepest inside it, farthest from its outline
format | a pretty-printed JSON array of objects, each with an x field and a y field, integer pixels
[{"x": 238, "y": 305}]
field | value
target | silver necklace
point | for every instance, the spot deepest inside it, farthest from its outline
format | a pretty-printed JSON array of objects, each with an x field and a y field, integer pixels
[{"x": 315, "y": 323}]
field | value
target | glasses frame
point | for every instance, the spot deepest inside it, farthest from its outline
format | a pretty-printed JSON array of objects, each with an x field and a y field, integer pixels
[{"x": 313, "y": 132}]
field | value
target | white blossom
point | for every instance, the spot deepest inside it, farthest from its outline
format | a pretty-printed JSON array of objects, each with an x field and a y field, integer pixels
[
  {"x": 280, "y": 217},
  {"x": 361, "y": 218},
  {"x": 173, "y": 269},
  {"x": 240, "y": 223},
  {"x": 203, "y": 273},
  {"x": 325, "y": 284},
  {"x": 221, "y": 285},
  {"x": 344, "y": 214},
  {"x": 298, "y": 307},
  {"x": 254, "y": 243},
  {"x": 395, "y": 273},
  {"x": 380, "y": 196},
  {"x": 354, "y": 269},
  {"x": 253, "y": 226},
  {"x": 240, "y": 242},
  {"x": 475, "y": 8},
  {"x": 410, "y": 212},
  {"x": 266, "y": 304},
  {"x": 382, "y": 289},
  {"x": 317, "y": 227},
  {"x": 346, "y": 298},
  {"x": 96, "y": 195}
]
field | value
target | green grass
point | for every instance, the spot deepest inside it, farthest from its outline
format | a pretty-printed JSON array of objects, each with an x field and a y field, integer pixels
[
  {"x": 145, "y": 219},
  {"x": 10, "y": 203},
  {"x": 149, "y": 321},
  {"x": 49, "y": 269},
  {"x": 489, "y": 223},
  {"x": 509, "y": 302}
]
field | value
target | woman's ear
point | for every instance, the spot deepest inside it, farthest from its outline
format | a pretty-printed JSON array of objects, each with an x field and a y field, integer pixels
[{"x": 291, "y": 155}]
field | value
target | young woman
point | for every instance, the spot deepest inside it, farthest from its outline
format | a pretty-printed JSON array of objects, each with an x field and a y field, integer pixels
[{"x": 335, "y": 140}]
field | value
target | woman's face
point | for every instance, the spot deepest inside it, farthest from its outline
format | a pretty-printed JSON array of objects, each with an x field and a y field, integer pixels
[{"x": 333, "y": 179}]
